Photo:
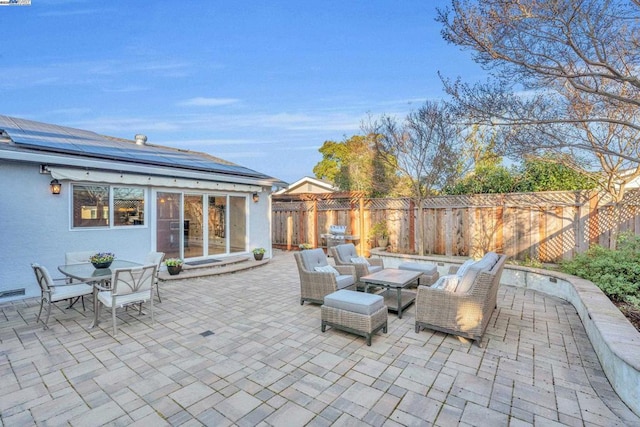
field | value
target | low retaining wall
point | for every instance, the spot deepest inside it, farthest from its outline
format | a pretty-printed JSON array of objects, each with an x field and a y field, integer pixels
[{"x": 615, "y": 340}]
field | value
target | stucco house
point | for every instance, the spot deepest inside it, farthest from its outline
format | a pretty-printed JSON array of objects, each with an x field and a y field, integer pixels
[
  {"x": 307, "y": 185},
  {"x": 66, "y": 189}
]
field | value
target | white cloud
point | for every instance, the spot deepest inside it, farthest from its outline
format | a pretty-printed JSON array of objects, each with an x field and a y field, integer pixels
[
  {"x": 207, "y": 102},
  {"x": 76, "y": 73},
  {"x": 218, "y": 142}
]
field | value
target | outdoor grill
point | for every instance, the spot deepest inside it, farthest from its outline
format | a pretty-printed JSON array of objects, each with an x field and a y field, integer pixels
[{"x": 337, "y": 236}]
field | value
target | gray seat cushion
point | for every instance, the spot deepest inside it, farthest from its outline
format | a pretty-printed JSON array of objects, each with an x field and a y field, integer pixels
[
  {"x": 354, "y": 302},
  {"x": 346, "y": 252},
  {"x": 425, "y": 268},
  {"x": 468, "y": 278},
  {"x": 344, "y": 280},
  {"x": 312, "y": 258}
]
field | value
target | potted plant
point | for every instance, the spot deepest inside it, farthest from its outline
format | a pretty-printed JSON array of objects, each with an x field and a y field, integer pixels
[
  {"x": 102, "y": 259},
  {"x": 304, "y": 246},
  {"x": 174, "y": 265},
  {"x": 380, "y": 234},
  {"x": 258, "y": 253}
]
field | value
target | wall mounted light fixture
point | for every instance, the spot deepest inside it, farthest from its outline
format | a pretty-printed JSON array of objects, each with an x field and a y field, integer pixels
[
  {"x": 55, "y": 186},
  {"x": 256, "y": 197}
]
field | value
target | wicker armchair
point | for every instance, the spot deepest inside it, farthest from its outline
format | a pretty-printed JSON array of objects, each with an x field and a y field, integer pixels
[
  {"x": 342, "y": 255},
  {"x": 314, "y": 285},
  {"x": 465, "y": 314}
]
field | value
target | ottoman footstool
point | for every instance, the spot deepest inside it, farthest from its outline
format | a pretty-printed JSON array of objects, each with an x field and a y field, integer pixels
[
  {"x": 355, "y": 312},
  {"x": 429, "y": 271}
]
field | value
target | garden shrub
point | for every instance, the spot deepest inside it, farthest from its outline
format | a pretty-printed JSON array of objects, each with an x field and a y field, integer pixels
[{"x": 616, "y": 272}]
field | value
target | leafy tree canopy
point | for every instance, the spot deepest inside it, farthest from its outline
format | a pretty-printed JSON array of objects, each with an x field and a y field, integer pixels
[
  {"x": 535, "y": 174},
  {"x": 547, "y": 174},
  {"x": 356, "y": 165},
  {"x": 484, "y": 180}
]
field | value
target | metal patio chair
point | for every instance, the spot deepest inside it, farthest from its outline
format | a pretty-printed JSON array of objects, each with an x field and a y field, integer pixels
[
  {"x": 52, "y": 293},
  {"x": 129, "y": 286},
  {"x": 155, "y": 258}
]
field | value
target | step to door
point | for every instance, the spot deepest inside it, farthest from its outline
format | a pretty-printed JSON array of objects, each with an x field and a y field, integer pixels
[{"x": 218, "y": 268}]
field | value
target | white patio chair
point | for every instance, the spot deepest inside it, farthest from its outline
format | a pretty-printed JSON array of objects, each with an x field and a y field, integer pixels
[
  {"x": 80, "y": 257},
  {"x": 129, "y": 286},
  {"x": 155, "y": 258},
  {"x": 52, "y": 293}
]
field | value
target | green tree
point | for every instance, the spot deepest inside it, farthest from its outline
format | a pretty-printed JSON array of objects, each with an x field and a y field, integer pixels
[
  {"x": 485, "y": 179},
  {"x": 535, "y": 174},
  {"x": 550, "y": 174},
  {"x": 333, "y": 156},
  {"x": 355, "y": 165}
]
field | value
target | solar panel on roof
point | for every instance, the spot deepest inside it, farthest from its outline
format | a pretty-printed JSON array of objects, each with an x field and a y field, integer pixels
[{"x": 60, "y": 139}]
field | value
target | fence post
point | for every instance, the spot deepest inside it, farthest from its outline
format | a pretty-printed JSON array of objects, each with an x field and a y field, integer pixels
[
  {"x": 361, "y": 242},
  {"x": 314, "y": 241},
  {"x": 289, "y": 231}
]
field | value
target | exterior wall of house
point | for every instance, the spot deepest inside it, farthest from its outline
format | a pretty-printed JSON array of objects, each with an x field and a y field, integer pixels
[
  {"x": 260, "y": 223},
  {"x": 36, "y": 227}
]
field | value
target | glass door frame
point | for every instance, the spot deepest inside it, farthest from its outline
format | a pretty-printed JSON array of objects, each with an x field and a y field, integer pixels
[{"x": 205, "y": 220}]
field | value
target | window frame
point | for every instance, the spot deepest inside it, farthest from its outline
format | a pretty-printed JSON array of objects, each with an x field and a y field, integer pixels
[{"x": 111, "y": 206}]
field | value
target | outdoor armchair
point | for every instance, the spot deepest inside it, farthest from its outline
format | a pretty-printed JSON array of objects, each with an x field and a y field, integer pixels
[
  {"x": 346, "y": 254},
  {"x": 129, "y": 286},
  {"x": 52, "y": 293},
  {"x": 315, "y": 284},
  {"x": 464, "y": 308}
]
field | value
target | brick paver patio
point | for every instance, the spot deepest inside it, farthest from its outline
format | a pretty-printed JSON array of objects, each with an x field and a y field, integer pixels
[{"x": 267, "y": 363}]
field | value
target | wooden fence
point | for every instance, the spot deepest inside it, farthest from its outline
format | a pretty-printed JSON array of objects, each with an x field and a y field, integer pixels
[{"x": 546, "y": 226}]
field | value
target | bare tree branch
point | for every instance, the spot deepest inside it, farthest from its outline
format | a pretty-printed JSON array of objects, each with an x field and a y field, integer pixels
[
  {"x": 425, "y": 149},
  {"x": 564, "y": 79}
]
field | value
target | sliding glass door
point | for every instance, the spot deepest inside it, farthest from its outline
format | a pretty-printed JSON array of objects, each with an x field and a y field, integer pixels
[
  {"x": 168, "y": 227},
  {"x": 238, "y": 223},
  {"x": 193, "y": 226},
  {"x": 217, "y": 225}
]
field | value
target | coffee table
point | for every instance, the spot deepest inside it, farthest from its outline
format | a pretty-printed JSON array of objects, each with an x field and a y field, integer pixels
[{"x": 393, "y": 278}]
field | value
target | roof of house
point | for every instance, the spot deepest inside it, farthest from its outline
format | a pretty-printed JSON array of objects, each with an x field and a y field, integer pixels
[
  {"x": 308, "y": 184},
  {"x": 26, "y": 136}
]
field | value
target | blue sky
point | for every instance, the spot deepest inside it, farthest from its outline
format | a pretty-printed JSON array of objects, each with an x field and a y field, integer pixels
[{"x": 259, "y": 83}]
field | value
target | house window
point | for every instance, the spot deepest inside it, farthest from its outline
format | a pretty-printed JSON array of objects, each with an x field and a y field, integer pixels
[
  {"x": 102, "y": 205},
  {"x": 128, "y": 206}
]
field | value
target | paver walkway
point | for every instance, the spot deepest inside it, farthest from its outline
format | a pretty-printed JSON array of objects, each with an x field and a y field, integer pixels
[{"x": 267, "y": 363}]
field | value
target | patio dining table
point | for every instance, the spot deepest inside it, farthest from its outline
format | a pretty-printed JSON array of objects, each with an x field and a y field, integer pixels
[{"x": 86, "y": 272}]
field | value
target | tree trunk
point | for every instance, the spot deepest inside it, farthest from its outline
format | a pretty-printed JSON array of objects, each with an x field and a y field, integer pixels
[
  {"x": 419, "y": 227},
  {"x": 615, "y": 226}
]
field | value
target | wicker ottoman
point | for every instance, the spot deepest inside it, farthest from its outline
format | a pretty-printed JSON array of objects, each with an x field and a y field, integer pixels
[
  {"x": 429, "y": 271},
  {"x": 356, "y": 312}
]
